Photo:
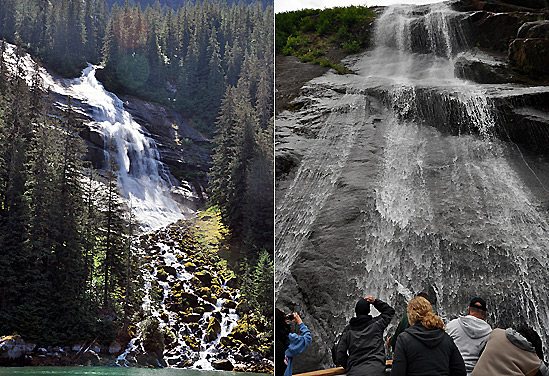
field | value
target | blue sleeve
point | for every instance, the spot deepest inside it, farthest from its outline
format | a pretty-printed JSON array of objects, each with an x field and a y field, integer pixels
[{"x": 298, "y": 343}]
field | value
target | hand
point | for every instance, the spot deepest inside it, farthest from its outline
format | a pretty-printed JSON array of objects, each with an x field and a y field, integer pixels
[
  {"x": 370, "y": 299},
  {"x": 297, "y": 319}
]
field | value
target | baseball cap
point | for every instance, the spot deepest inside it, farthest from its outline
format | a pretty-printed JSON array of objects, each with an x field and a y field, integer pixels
[{"x": 478, "y": 303}]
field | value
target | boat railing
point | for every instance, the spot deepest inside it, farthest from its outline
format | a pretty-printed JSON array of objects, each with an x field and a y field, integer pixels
[{"x": 337, "y": 371}]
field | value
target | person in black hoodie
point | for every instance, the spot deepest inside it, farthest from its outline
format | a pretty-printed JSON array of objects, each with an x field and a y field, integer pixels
[
  {"x": 425, "y": 348},
  {"x": 361, "y": 349}
]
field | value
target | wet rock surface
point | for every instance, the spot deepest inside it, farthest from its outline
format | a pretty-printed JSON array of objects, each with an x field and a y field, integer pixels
[{"x": 391, "y": 185}]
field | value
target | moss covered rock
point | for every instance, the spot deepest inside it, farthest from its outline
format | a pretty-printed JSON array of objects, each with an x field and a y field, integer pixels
[
  {"x": 245, "y": 331},
  {"x": 230, "y": 304},
  {"x": 213, "y": 330},
  {"x": 530, "y": 55},
  {"x": 205, "y": 277},
  {"x": 190, "y": 317},
  {"x": 190, "y": 267},
  {"x": 192, "y": 342}
]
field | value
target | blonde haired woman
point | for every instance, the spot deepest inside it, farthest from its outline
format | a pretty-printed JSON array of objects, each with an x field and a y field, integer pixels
[{"x": 424, "y": 348}]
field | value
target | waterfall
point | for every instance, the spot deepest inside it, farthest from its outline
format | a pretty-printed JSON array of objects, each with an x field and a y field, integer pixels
[
  {"x": 138, "y": 161},
  {"x": 410, "y": 189},
  {"x": 142, "y": 177}
]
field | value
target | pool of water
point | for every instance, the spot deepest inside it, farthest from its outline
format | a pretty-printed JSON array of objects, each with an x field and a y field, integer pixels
[{"x": 112, "y": 371}]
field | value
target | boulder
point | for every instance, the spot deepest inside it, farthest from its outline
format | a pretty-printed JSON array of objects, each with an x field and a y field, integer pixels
[
  {"x": 13, "y": 348},
  {"x": 232, "y": 282},
  {"x": 115, "y": 348},
  {"x": 214, "y": 329},
  {"x": 208, "y": 307},
  {"x": 88, "y": 358},
  {"x": 536, "y": 29},
  {"x": 183, "y": 300},
  {"x": 191, "y": 317},
  {"x": 530, "y": 55},
  {"x": 482, "y": 72},
  {"x": 190, "y": 267},
  {"x": 494, "y": 30},
  {"x": 222, "y": 365},
  {"x": 205, "y": 277},
  {"x": 169, "y": 270},
  {"x": 230, "y": 304}
]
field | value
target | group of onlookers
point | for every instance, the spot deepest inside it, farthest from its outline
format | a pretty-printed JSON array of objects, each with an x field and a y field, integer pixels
[{"x": 422, "y": 344}]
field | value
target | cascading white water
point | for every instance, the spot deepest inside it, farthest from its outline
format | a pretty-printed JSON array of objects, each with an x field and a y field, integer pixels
[
  {"x": 135, "y": 154},
  {"x": 427, "y": 198},
  {"x": 141, "y": 174}
]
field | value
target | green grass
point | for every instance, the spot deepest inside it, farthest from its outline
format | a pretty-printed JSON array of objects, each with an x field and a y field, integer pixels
[{"x": 310, "y": 34}]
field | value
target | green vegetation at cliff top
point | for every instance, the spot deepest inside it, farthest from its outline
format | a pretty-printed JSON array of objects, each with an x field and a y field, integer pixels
[{"x": 310, "y": 34}]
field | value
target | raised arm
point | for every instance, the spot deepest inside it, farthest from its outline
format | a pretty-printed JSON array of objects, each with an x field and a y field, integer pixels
[
  {"x": 387, "y": 312},
  {"x": 298, "y": 343}
]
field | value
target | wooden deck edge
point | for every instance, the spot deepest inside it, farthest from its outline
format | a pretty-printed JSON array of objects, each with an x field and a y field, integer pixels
[
  {"x": 333, "y": 371},
  {"x": 324, "y": 372}
]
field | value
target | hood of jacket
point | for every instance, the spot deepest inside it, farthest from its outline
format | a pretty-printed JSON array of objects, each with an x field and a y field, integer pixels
[
  {"x": 518, "y": 340},
  {"x": 360, "y": 322},
  {"x": 474, "y": 327},
  {"x": 429, "y": 338}
]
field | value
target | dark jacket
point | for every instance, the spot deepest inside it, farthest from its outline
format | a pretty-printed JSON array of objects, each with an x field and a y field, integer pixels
[
  {"x": 361, "y": 349},
  {"x": 402, "y": 326},
  {"x": 420, "y": 351}
]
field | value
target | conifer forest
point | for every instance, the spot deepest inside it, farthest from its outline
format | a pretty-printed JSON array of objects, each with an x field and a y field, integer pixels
[{"x": 75, "y": 265}]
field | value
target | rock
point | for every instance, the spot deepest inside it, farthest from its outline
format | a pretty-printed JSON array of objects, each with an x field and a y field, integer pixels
[
  {"x": 183, "y": 300},
  {"x": 285, "y": 162},
  {"x": 115, "y": 348},
  {"x": 222, "y": 365},
  {"x": 190, "y": 267},
  {"x": 12, "y": 348},
  {"x": 482, "y": 72},
  {"x": 536, "y": 29},
  {"x": 230, "y": 304},
  {"x": 499, "y": 5},
  {"x": 225, "y": 295},
  {"x": 227, "y": 342},
  {"x": 89, "y": 358},
  {"x": 494, "y": 31},
  {"x": 205, "y": 277},
  {"x": 192, "y": 342},
  {"x": 153, "y": 339},
  {"x": 169, "y": 270},
  {"x": 162, "y": 275},
  {"x": 191, "y": 317},
  {"x": 208, "y": 307},
  {"x": 530, "y": 55},
  {"x": 232, "y": 282},
  {"x": 214, "y": 328}
]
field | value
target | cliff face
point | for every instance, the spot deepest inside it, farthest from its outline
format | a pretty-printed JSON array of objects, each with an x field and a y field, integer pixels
[
  {"x": 401, "y": 178},
  {"x": 183, "y": 151},
  {"x": 516, "y": 31},
  {"x": 182, "y": 148}
]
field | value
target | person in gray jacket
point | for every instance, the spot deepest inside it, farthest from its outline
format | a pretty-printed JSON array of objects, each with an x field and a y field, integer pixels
[
  {"x": 470, "y": 332},
  {"x": 361, "y": 349}
]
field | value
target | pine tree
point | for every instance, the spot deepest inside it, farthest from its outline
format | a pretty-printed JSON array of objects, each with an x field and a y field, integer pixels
[
  {"x": 113, "y": 244},
  {"x": 263, "y": 287}
]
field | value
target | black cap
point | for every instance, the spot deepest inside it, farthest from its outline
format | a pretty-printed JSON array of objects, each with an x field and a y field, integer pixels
[
  {"x": 478, "y": 303},
  {"x": 362, "y": 307}
]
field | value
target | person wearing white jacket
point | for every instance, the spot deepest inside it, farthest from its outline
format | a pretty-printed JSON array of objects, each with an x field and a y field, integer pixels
[{"x": 470, "y": 332}]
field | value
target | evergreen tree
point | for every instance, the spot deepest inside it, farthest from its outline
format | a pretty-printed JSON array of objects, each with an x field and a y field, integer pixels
[{"x": 263, "y": 287}]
